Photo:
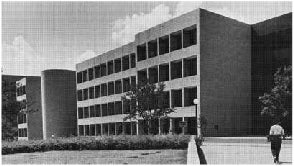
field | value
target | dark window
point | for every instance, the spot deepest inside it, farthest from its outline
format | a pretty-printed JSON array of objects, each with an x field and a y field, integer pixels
[
  {"x": 141, "y": 52},
  {"x": 91, "y": 92},
  {"x": 80, "y": 95},
  {"x": 133, "y": 60},
  {"x": 119, "y": 128},
  {"x": 164, "y": 45},
  {"x": 97, "y": 71},
  {"x": 142, "y": 76},
  {"x": 111, "y": 129},
  {"x": 103, "y": 69},
  {"x": 189, "y": 95},
  {"x": 104, "y": 109},
  {"x": 190, "y": 67},
  {"x": 110, "y": 67},
  {"x": 92, "y": 111},
  {"x": 163, "y": 72},
  {"x": 133, "y": 81},
  {"x": 176, "y": 69},
  {"x": 153, "y": 75},
  {"x": 126, "y": 84},
  {"x": 126, "y": 106},
  {"x": 152, "y": 48},
  {"x": 97, "y": 91},
  {"x": 86, "y": 112},
  {"x": 91, "y": 74},
  {"x": 98, "y": 129},
  {"x": 85, "y": 78},
  {"x": 117, "y": 65},
  {"x": 110, "y": 88},
  {"x": 92, "y": 130},
  {"x": 164, "y": 102},
  {"x": 80, "y": 113},
  {"x": 79, "y": 77},
  {"x": 134, "y": 128},
  {"x": 127, "y": 128},
  {"x": 105, "y": 129},
  {"x": 176, "y": 41},
  {"x": 98, "y": 110},
  {"x": 118, "y": 107},
  {"x": 125, "y": 63},
  {"x": 176, "y": 98},
  {"x": 87, "y": 130},
  {"x": 103, "y": 89},
  {"x": 118, "y": 87},
  {"x": 85, "y": 93},
  {"x": 81, "y": 130},
  {"x": 189, "y": 36},
  {"x": 110, "y": 109}
]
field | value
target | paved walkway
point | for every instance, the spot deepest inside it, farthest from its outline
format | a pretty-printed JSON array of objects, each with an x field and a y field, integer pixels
[{"x": 243, "y": 151}]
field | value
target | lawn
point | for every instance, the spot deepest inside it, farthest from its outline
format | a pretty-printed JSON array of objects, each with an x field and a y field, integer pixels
[{"x": 99, "y": 157}]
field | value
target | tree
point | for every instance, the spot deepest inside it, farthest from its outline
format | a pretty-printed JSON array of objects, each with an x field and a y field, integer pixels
[
  {"x": 147, "y": 102},
  {"x": 277, "y": 104}
]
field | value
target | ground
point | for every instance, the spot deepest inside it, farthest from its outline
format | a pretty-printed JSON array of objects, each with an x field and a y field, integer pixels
[
  {"x": 242, "y": 150},
  {"x": 99, "y": 157}
]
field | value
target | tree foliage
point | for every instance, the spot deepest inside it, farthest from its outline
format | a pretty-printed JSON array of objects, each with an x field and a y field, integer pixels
[{"x": 277, "y": 103}]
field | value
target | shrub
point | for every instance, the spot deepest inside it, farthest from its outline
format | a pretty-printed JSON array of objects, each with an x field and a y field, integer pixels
[{"x": 122, "y": 142}]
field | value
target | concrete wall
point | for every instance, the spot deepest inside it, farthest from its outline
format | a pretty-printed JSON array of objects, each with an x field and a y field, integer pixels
[
  {"x": 225, "y": 75},
  {"x": 58, "y": 103}
]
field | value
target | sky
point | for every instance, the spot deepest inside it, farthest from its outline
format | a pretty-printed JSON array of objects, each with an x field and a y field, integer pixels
[{"x": 57, "y": 35}]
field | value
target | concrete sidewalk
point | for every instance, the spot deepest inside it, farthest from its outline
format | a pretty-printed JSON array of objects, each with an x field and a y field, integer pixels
[{"x": 257, "y": 152}]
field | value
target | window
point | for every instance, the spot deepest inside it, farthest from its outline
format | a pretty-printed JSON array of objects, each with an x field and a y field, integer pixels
[
  {"x": 98, "y": 111},
  {"x": 133, "y": 60},
  {"x": 176, "y": 98},
  {"x": 142, "y": 76},
  {"x": 190, "y": 66},
  {"x": 164, "y": 45},
  {"x": 164, "y": 72},
  {"x": 125, "y": 63},
  {"x": 80, "y": 95},
  {"x": 85, "y": 76},
  {"x": 164, "y": 100},
  {"x": 92, "y": 130},
  {"x": 152, "y": 48},
  {"x": 105, "y": 128},
  {"x": 85, "y": 93},
  {"x": 97, "y": 91},
  {"x": 133, "y": 81},
  {"x": 134, "y": 128},
  {"x": 103, "y": 89},
  {"x": 117, "y": 65},
  {"x": 86, "y": 112},
  {"x": 153, "y": 75},
  {"x": 141, "y": 52},
  {"x": 110, "y": 88},
  {"x": 176, "y": 69},
  {"x": 24, "y": 90},
  {"x": 127, "y": 128},
  {"x": 92, "y": 111},
  {"x": 80, "y": 113},
  {"x": 111, "y": 129},
  {"x": 103, "y": 69},
  {"x": 97, "y": 71},
  {"x": 79, "y": 77},
  {"x": 110, "y": 67},
  {"x": 98, "y": 129},
  {"x": 190, "y": 36},
  {"x": 104, "y": 109},
  {"x": 126, "y": 84},
  {"x": 91, "y": 92},
  {"x": 119, "y": 128},
  {"x": 110, "y": 109},
  {"x": 126, "y": 106},
  {"x": 176, "y": 41},
  {"x": 81, "y": 130},
  {"x": 87, "y": 130},
  {"x": 189, "y": 95},
  {"x": 118, "y": 87},
  {"x": 118, "y": 107},
  {"x": 91, "y": 74}
]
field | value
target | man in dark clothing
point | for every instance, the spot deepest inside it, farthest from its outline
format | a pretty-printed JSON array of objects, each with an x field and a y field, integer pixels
[{"x": 276, "y": 133}]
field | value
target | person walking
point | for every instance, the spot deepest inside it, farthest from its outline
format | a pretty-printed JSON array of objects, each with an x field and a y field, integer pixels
[{"x": 275, "y": 134}]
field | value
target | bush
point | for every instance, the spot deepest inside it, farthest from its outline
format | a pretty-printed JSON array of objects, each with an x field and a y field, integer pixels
[{"x": 122, "y": 142}]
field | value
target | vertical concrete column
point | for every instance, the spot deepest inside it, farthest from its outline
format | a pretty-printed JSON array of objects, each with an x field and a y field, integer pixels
[
  {"x": 157, "y": 39},
  {"x": 170, "y": 99},
  {"x": 171, "y": 126},
  {"x": 147, "y": 55},
  {"x": 159, "y": 126},
  {"x": 182, "y": 38},
  {"x": 108, "y": 128},
  {"x": 95, "y": 133},
  {"x": 115, "y": 132},
  {"x": 183, "y": 129},
  {"x": 183, "y": 97},
  {"x": 182, "y": 68},
  {"x": 169, "y": 43},
  {"x": 137, "y": 128},
  {"x": 101, "y": 127}
]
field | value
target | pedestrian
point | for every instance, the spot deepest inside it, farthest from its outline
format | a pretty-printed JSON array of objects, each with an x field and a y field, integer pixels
[{"x": 275, "y": 135}]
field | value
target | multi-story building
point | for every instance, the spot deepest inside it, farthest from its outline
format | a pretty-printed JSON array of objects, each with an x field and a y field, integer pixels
[
  {"x": 28, "y": 94},
  {"x": 199, "y": 55}
]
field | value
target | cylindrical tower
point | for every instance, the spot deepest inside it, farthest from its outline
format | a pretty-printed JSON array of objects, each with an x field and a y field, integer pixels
[{"x": 58, "y": 103}]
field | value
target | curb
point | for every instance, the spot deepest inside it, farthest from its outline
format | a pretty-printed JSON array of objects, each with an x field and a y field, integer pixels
[{"x": 192, "y": 155}]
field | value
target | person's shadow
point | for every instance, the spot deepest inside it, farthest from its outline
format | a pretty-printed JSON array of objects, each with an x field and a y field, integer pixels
[{"x": 285, "y": 162}]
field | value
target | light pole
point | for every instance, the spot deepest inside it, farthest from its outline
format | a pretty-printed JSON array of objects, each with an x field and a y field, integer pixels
[{"x": 198, "y": 124}]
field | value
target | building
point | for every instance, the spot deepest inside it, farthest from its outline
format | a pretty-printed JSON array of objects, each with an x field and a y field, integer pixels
[
  {"x": 28, "y": 93},
  {"x": 199, "y": 55}
]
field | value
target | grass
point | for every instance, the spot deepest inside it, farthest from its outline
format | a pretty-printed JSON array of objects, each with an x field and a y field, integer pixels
[{"x": 99, "y": 157}]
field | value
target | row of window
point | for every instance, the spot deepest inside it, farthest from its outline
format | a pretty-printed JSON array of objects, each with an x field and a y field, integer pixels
[
  {"x": 165, "y": 44},
  {"x": 22, "y": 132},
  {"x": 118, "y": 128},
  {"x": 20, "y": 90},
  {"x": 21, "y": 118},
  {"x": 112, "y": 66},
  {"x": 107, "y": 89}
]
